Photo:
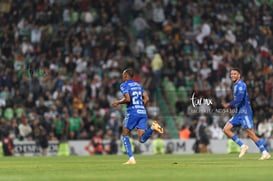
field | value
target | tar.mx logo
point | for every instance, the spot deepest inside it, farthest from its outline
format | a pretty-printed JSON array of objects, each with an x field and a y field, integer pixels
[{"x": 200, "y": 101}]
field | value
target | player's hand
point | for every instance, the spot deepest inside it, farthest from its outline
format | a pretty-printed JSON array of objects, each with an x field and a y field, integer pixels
[
  {"x": 225, "y": 105},
  {"x": 115, "y": 104}
]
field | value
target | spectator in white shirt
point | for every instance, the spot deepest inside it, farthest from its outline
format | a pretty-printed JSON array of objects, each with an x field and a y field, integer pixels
[
  {"x": 215, "y": 131},
  {"x": 140, "y": 24},
  {"x": 204, "y": 32},
  {"x": 264, "y": 127},
  {"x": 25, "y": 129},
  {"x": 158, "y": 14},
  {"x": 36, "y": 34}
]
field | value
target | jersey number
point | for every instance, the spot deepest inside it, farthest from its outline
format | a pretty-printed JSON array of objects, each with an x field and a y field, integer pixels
[{"x": 137, "y": 96}]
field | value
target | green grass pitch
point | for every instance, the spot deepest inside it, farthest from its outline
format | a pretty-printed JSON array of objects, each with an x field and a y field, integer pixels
[{"x": 199, "y": 167}]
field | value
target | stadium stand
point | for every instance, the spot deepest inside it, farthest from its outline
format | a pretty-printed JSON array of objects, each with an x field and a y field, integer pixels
[{"x": 58, "y": 57}]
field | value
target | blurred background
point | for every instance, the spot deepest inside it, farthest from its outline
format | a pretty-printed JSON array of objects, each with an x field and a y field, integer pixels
[{"x": 61, "y": 63}]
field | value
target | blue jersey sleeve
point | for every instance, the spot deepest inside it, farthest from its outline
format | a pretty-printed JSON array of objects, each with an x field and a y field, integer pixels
[
  {"x": 239, "y": 94},
  {"x": 124, "y": 88}
]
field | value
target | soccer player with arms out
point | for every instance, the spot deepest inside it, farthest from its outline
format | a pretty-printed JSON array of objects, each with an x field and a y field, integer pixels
[
  {"x": 243, "y": 116},
  {"x": 136, "y": 99}
]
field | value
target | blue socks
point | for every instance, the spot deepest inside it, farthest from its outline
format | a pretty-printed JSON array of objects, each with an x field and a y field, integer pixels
[
  {"x": 143, "y": 139},
  {"x": 146, "y": 135},
  {"x": 237, "y": 140},
  {"x": 260, "y": 145},
  {"x": 127, "y": 145}
]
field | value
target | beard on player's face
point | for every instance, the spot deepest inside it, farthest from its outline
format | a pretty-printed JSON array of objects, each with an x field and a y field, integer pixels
[{"x": 235, "y": 78}]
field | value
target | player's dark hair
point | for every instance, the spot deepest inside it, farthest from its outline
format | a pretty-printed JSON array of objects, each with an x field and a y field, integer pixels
[
  {"x": 130, "y": 72},
  {"x": 236, "y": 69}
]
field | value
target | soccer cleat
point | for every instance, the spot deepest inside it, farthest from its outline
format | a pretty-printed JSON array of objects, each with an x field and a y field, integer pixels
[
  {"x": 130, "y": 162},
  {"x": 265, "y": 156},
  {"x": 157, "y": 127},
  {"x": 244, "y": 148}
]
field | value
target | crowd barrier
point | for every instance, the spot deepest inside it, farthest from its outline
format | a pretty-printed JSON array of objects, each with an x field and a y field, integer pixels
[{"x": 84, "y": 148}]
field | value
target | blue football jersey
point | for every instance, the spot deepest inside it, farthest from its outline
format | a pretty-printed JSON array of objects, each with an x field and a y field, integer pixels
[
  {"x": 241, "y": 99},
  {"x": 135, "y": 90}
]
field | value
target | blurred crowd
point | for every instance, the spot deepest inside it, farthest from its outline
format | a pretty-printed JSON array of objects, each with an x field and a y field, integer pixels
[{"x": 61, "y": 60}]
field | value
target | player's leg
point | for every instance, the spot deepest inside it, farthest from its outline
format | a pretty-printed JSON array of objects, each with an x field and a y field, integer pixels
[
  {"x": 127, "y": 126},
  {"x": 249, "y": 127},
  {"x": 127, "y": 146},
  {"x": 143, "y": 133},
  {"x": 227, "y": 130},
  {"x": 259, "y": 144}
]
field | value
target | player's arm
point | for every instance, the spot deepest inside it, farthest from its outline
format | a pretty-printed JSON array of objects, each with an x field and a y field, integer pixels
[
  {"x": 145, "y": 98},
  {"x": 126, "y": 99},
  {"x": 238, "y": 98}
]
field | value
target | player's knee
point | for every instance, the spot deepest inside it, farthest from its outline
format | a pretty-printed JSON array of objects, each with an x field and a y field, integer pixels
[{"x": 226, "y": 130}]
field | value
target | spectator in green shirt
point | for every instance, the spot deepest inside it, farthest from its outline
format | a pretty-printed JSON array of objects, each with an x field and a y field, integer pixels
[
  {"x": 58, "y": 127},
  {"x": 75, "y": 123}
]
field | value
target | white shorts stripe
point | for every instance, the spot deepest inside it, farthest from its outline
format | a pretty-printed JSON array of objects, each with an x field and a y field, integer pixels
[{"x": 248, "y": 122}]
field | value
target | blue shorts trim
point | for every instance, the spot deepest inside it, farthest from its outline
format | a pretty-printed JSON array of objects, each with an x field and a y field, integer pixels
[
  {"x": 138, "y": 121},
  {"x": 243, "y": 120}
]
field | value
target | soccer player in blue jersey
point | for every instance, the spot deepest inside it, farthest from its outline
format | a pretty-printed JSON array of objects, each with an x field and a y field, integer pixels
[
  {"x": 243, "y": 115},
  {"x": 136, "y": 99}
]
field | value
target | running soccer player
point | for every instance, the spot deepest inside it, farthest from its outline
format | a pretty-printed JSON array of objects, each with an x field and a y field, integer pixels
[
  {"x": 136, "y": 99},
  {"x": 243, "y": 116}
]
